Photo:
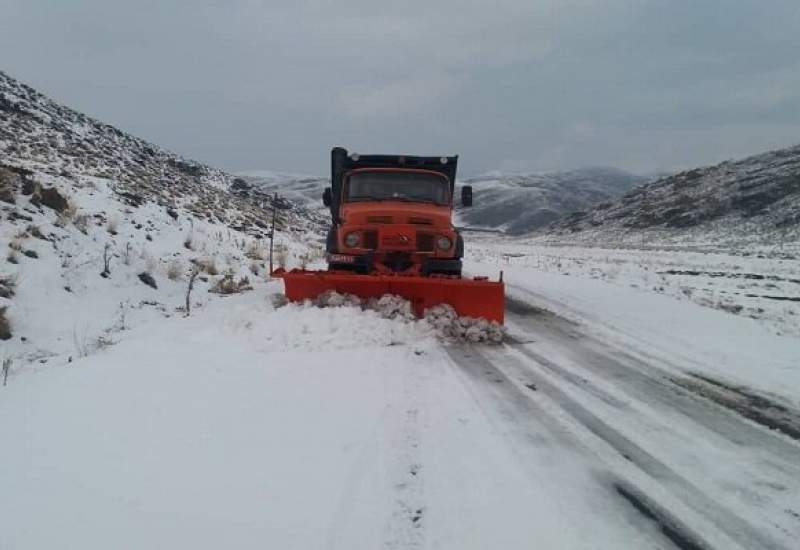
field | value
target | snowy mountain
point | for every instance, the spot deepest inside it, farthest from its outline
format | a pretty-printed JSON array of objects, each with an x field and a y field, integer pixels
[
  {"x": 37, "y": 135},
  {"x": 514, "y": 203},
  {"x": 754, "y": 199},
  {"x": 300, "y": 189},
  {"x": 100, "y": 231},
  {"x": 519, "y": 203}
]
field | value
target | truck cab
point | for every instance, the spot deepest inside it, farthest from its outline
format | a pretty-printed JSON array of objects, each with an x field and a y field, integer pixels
[{"x": 393, "y": 214}]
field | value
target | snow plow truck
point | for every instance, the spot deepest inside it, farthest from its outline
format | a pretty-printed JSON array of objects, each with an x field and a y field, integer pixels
[{"x": 392, "y": 232}]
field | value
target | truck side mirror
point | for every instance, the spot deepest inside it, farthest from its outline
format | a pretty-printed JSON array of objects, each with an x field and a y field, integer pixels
[
  {"x": 466, "y": 195},
  {"x": 326, "y": 197}
]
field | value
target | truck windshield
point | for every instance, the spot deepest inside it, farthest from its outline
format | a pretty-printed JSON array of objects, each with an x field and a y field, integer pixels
[{"x": 400, "y": 186}]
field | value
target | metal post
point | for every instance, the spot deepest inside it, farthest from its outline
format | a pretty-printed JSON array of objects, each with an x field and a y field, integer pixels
[{"x": 272, "y": 232}]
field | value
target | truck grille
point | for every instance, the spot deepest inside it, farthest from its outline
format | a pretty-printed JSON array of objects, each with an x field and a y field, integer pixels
[
  {"x": 371, "y": 240},
  {"x": 425, "y": 242}
]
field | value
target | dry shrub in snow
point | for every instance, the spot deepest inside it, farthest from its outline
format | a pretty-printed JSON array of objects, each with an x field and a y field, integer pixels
[
  {"x": 7, "y": 285},
  {"x": 102, "y": 342},
  {"x": 5, "y": 324},
  {"x": 279, "y": 300},
  {"x": 208, "y": 265},
  {"x": 228, "y": 285},
  {"x": 255, "y": 251},
  {"x": 174, "y": 270},
  {"x": 68, "y": 214},
  {"x": 188, "y": 242},
  {"x": 34, "y": 231},
  {"x": 7, "y": 185},
  {"x": 81, "y": 223},
  {"x": 106, "y": 261},
  {"x": 192, "y": 276},
  {"x": 126, "y": 256},
  {"x": 281, "y": 255},
  {"x": 6, "y": 369},
  {"x": 112, "y": 225}
]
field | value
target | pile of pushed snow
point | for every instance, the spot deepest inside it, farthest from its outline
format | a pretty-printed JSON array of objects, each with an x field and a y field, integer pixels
[
  {"x": 341, "y": 324},
  {"x": 448, "y": 325},
  {"x": 441, "y": 320}
]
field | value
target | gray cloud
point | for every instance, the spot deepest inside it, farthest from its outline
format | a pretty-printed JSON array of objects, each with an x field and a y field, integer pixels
[{"x": 523, "y": 84}]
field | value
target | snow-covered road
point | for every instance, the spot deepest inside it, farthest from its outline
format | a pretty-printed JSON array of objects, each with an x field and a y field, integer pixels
[
  {"x": 681, "y": 450},
  {"x": 246, "y": 426}
]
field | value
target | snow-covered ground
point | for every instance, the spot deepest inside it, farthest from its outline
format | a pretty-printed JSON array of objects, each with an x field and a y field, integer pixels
[
  {"x": 643, "y": 396},
  {"x": 621, "y": 412},
  {"x": 62, "y": 304},
  {"x": 250, "y": 425},
  {"x": 229, "y": 428},
  {"x": 758, "y": 283}
]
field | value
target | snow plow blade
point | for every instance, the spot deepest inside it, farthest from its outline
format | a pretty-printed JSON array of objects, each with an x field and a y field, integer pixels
[{"x": 475, "y": 298}]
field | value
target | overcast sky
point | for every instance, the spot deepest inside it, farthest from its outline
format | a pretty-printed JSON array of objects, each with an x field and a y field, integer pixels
[{"x": 644, "y": 85}]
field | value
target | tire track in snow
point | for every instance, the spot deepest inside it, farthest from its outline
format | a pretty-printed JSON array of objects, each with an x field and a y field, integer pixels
[
  {"x": 701, "y": 504},
  {"x": 646, "y": 382},
  {"x": 744, "y": 402},
  {"x": 517, "y": 401},
  {"x": 405, "y": 472},
  {"x": 677, "y": 533},
  {"x": 701, "y": 508},
  {"x": 590, "y": 359}
]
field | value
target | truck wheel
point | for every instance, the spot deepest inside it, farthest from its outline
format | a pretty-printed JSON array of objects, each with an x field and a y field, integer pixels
[
  {"x": 330, "y": 240},
  {"x": 459, "y": 246}
]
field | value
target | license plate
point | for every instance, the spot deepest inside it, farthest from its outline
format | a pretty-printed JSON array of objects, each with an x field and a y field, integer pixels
[{"x": 341, "y": 259}]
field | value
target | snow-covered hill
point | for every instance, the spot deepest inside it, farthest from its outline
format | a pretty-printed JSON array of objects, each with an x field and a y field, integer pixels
[
  {"x": 100, "y": 230},
  {"x": 37, "y": 135},
  {"x": 756, "y": 199},
  {"x": 301, "y": 189},
  {"x": 519, "y": 203}
]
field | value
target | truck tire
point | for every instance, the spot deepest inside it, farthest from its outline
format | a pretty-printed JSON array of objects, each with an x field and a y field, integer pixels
[
  {"x": 330, "y": 240},
  {"x": 459, "y": 246}
]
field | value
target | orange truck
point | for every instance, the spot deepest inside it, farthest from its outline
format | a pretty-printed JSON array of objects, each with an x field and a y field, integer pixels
[
  {"x": 394, "y": 214},
  {"x": 392, "y": 232}
]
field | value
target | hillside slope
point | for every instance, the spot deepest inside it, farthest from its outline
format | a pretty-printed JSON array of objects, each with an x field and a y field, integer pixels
[
  {"x": 38, "y": 135},
  {"x": 519, "y": 203},
  {"x": 101, "y": 231},
  {"x": 753, "y": 199},
  {"x": 301, "y": 189}
]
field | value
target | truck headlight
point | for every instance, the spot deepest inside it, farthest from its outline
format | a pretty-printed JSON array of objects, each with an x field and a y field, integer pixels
[
  {"x": 444, "y": 243},
  {"x": 352, "y": 240}
]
